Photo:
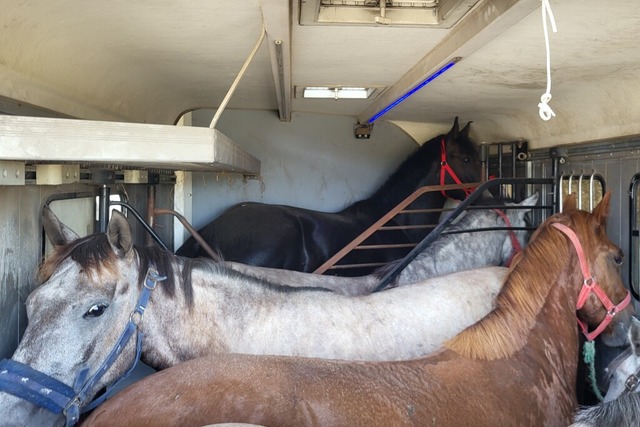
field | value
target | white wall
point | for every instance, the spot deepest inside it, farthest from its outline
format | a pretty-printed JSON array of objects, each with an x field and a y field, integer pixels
[{"x": 313, "y": 162}]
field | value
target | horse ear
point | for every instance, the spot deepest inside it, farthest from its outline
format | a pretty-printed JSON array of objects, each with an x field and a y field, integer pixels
[
  {"x": 531, "y": 200},
  {"x": 601, "y": 212},
  {"x": 465, "y": 131},
  {"x": 453, "y": 133},
  {"x": 119, "y": 234},
  {"x": 569, "y": 203},
  {"x": 58, "y": 233},
  {"x": 634, "y": 336}
]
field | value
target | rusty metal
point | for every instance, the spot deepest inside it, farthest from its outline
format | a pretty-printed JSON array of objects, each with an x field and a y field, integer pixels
[
  {"x": 191, "y": 230},
  {"x": 151, "y": 205},
  {"x": 331, "y": 262}
]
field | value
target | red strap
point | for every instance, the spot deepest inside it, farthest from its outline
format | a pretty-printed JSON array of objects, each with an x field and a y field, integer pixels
[
  {"x": 445, "y": 168},
  {"x": 514, "y": 240},
  {"x": 589, "y": 285}
]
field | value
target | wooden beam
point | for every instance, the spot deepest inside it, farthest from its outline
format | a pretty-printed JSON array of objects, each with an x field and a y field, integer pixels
[{"x": 129, "y": 144}]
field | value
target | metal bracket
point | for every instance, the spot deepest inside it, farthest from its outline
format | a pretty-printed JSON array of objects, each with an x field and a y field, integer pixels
[
  {"x": 522, "y": 150},
  {"x": 56, "y": 174},
  {"x": 559, "y": 153},
  {"x": 363, "y": 131},
  {"x": 12, "y": 173}
]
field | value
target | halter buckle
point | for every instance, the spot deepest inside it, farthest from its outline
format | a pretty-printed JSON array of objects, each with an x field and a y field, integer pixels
[
  {"x": 72, "y": 410},
  {"x": 137, "y": 320},
  {"x": 631, "y": 383},
  {"x": 589, "y": 282}
]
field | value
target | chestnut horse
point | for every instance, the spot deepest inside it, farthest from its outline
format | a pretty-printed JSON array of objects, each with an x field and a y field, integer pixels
[
  {"x": 515, "y": 367},
  {"x": 293, "y": 238}
]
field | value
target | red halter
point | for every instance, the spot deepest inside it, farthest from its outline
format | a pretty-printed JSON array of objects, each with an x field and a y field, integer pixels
[
  {"x": 589, "y": 285},
  {"x": 514, "y": 240},
  {"x": 446, "y": 169}
]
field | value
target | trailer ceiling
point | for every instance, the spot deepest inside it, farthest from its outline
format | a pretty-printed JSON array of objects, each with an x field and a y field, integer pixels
[{"x": 150, "y": 61}]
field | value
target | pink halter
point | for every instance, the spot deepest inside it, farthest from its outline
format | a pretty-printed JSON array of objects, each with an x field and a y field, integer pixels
[{"x": 589, "y": 285}]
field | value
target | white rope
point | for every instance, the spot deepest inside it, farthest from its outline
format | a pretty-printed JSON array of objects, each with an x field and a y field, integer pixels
[{"x": 544, "y": 110}]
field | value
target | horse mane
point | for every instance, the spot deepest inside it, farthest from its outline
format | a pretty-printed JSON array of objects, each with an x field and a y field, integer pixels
[
  {"x": 405, "y": 176},
  {"x": 94, "y": 252},
  {"x": 464, "y": 224},
  {"x": 533, "y": 273},
  {"x": 623, "y": 411}
]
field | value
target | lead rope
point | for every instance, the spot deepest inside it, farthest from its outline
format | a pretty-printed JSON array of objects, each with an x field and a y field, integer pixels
[{"x": 589, "y": 357}]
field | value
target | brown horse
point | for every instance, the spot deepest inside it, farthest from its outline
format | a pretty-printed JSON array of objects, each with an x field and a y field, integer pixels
[{"x": 516, "y": 367}]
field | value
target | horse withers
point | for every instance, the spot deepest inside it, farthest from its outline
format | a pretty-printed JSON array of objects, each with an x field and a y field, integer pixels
[
  {"x": 517, "y": 366},
  {"x": 483, "y": 237},
  {"x": 293, "y": 238},
  {"x": 96, "y": 287}
]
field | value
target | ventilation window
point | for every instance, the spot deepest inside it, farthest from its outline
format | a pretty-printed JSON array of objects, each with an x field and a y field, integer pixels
[
  {"x": 588, "y": 188},
  {"x": 432, "y": 13}
]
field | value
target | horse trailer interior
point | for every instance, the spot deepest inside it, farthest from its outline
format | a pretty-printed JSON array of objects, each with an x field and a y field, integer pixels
[{"x": 172, "y": 112}]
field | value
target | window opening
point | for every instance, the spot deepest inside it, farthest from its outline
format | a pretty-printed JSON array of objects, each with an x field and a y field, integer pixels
[
  {"x": 634, "y": 236},
  {"x": 588, "y": 188}
]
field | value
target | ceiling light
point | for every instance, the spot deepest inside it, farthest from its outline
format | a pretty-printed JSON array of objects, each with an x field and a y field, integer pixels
[{"x": 336, "y": 92}]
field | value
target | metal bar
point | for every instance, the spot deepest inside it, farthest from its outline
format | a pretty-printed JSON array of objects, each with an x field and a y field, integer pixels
[
  {"x": 193, "y": 232},
  {"x": 591, "y": 191},
  {"x": 375, "y": 226},
  {"x": 103, "y": 208},
  {"x": 580, "y": 191},
  {"x": 151, "y": 205},
  {"x": 141, "y": 221},
  {"x": 232, "y": 89},
  {"x": 392, "y": 274}
]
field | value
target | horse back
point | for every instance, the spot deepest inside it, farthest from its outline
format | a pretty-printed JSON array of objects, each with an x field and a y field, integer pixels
[{"x": 277, "y": 236}]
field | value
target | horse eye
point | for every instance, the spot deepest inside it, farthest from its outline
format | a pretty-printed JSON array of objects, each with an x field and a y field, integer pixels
[
  {"x": 96, "y": 311},
  {"x": 466, "y": 160},
  {"x": 618, "y": 259}
]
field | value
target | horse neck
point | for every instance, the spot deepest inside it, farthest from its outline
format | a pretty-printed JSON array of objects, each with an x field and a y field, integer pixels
[
  {"x": 417, "y": 170},
  {"x": 537, "y": 303},
  {"x": 176, "y": 330}
]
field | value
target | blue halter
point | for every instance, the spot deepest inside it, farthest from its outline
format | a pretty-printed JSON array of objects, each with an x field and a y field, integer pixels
[{"x": 46, "y": 392}]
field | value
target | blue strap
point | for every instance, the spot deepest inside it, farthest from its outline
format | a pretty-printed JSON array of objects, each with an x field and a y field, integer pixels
[
  {"x": 42, "y": 390},
  {"x": 107, "y": 394},
  {"x": 47, "y": 392}
]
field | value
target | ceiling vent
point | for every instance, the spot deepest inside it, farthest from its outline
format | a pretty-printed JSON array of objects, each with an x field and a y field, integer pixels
[{"x": 428, "y": 13}]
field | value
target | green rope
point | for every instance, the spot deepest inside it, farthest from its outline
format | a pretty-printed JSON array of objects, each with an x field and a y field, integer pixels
[{"x": 589, "y": 355}]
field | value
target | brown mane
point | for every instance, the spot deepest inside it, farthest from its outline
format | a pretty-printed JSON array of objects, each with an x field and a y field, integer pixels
[
  {"x": 94, "y": 253},
  {"x": 505, "y": 330}
]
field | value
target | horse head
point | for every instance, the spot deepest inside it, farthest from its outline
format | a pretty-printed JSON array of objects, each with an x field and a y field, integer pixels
[
  {"x": 603, "y": 300},
  {"x": 459, "y": 159},
  {"x": 623, "y": 373},
  {"x": 88, "y": 293}
]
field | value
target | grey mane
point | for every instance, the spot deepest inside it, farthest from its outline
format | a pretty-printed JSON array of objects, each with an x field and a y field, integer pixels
[{"x": 621, "y": 412}]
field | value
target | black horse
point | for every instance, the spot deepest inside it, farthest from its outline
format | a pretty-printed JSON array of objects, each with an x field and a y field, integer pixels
[{"x": 300, "y": 239}]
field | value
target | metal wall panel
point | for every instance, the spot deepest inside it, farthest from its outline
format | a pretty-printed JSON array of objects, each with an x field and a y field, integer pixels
[{"x": 21, "y": 245}]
